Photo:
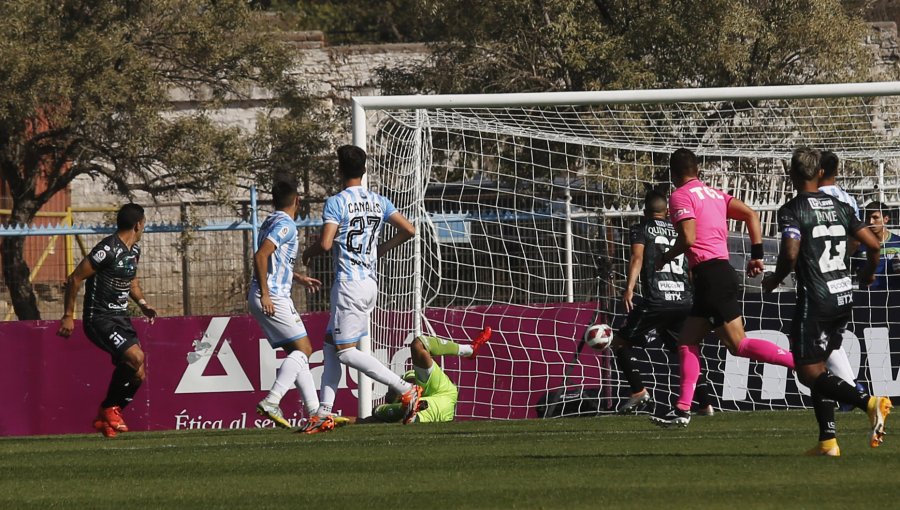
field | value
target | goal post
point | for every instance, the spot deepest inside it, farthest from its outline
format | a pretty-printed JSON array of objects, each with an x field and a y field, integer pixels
[{"x": 522, "y": 204}]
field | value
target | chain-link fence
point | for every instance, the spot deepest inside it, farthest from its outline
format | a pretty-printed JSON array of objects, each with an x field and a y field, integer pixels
[{"x": 196, "y": 257}]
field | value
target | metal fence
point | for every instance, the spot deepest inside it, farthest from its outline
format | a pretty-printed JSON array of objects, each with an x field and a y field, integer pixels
[{"x": 197, "y": 256}]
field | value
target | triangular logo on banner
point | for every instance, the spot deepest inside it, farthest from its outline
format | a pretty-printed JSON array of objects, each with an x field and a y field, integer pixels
[{"x": 234, "y": 379}]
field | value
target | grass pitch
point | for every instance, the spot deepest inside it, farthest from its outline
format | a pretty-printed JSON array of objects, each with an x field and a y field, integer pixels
[{"x": 730, "y": 460}]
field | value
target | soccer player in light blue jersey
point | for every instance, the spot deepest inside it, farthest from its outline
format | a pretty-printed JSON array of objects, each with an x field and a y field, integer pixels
[
  {"x": 353, "y": 221},
  {"x": 271, "y": 305}
]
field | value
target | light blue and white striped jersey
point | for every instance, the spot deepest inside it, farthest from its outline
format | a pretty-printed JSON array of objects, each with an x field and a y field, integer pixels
[
  {"x": 282, "y": 231},
  {"x": 839, "y": 193},
  {"x": 359, "y": 214}
]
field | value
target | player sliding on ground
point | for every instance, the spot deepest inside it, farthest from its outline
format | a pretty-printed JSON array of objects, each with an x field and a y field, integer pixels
[
  {"x": 666, "y": 301},
  {"x": 701, "y": 215},
  {"x": 439, "y": 394},
  {"x": 814, "y": 228}
]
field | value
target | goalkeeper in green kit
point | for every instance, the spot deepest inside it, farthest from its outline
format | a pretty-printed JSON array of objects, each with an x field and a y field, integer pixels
[{"x": 439, "y": 394}]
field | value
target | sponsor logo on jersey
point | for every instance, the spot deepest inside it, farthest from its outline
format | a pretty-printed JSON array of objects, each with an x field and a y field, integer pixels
[
  {"x": 284, "y": 231},
  {"x": 824, "y": 203},
  {"x": 100, "y": 256},
  {"x": 670, "y": 286},
  {"x": 840, "y": 285},
  {"x": 680, "y": 212}
]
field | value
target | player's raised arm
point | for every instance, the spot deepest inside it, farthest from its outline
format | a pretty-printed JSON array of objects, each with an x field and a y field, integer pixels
[
  {"x": 740, "y": 211},
  {"x": 405, "y": 232}
]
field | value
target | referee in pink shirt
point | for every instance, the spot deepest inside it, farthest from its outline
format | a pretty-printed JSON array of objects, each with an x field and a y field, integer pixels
[{"x": 701, "y": 215}]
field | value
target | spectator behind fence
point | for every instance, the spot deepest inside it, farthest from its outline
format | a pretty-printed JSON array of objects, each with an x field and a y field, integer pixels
[{"x": 877, "y": 217}]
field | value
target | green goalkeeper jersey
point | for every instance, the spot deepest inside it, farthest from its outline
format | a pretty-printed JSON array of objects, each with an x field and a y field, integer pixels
[{"x": 440, "y": 393}]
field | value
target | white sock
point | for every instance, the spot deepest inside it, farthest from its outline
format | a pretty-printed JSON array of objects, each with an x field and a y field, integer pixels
[
  {"x": 465, "y": 350},
  {"x": 423, "y": 374},
  {"x": 286, "y": 375},
  {"x": 839, "y": 364},
  {"x": 367, "y": 364},
  {"x": 331, "y": 378},
  {"x": 305, "y": 384}
]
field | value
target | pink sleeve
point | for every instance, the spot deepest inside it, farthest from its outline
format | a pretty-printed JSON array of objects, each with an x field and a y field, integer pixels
[
  {"x": 681, "y": 207},
  {"x": 727, "y": 197}
]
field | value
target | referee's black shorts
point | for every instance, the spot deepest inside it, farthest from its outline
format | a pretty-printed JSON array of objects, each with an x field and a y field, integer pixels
[
  {"x": 715, "y": 292},
  {"x": 113, "y": 334}
]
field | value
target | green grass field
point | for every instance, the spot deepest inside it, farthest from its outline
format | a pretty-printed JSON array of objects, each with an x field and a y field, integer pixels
[{"x": 730, "y": 460}]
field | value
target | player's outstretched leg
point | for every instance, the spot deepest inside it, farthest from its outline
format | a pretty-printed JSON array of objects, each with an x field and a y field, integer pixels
[{"x": 437, "y": 346}]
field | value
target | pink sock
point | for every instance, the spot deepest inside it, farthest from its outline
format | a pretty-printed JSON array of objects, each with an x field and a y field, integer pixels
[
  {"x": 690, "y": 372},
  {"x": 762, "y": 350}
]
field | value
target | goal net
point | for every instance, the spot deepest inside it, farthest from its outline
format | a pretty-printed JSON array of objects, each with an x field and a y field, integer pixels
[{"x": 523, "y": 203}]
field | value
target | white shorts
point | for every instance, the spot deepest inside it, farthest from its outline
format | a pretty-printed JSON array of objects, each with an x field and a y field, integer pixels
[
  {"x": 351, "y": 304},
  {"x": 283, "y": 327}
]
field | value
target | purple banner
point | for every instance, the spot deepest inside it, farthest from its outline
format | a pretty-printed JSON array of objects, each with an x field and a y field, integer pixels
[
  {"x": 202, "y": 372},
  {"x": 209, "y": 372}
]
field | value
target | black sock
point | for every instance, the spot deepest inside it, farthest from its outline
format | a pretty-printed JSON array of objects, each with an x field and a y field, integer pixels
[
  {"x": 824, "y": 408},
  {"x": 832, "y": 387},
  {"x": 625, "y": 361},
  {"x": 122, "y": 387},
  {"x": 701, "y": 392}
]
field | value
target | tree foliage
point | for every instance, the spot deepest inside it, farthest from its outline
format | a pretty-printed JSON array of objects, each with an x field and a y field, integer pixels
[
  {"x": 552, "y": 45},
  {"x": 126, "y": 92}
]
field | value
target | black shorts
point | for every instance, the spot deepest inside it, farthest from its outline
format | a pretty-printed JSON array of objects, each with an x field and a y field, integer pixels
[
  {"x": 715, "y": 292},
  {"x": 112, "y": 334},
  {"x": 666, "y": 321},
  {"x": 813, "y": 337}
]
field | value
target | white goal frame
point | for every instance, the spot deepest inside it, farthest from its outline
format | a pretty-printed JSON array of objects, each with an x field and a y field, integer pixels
[{"x": 362, "y": 104}]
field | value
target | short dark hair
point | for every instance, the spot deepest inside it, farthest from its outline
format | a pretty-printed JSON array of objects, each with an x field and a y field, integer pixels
[
  {"x": 351, "y": 161},
  {"x": 284, "y": 193},
  {"x": 655, "y": 202},
  {"x": 877, "y": 206},
  {"x": 805, "y": 163},
  {"x": 128, "y": 216},
  {"x": 829, "y": 163},
  {"x": 683, "y": 162}
]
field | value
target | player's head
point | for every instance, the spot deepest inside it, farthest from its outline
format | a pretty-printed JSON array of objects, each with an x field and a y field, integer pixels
[
  {"x": 351, "y": 162},
  {"x": 683, "y": 166},
  {"x": 805, "y": 166},
  {"x": 284, "y": 194},
  {"x": 655, "y": 205},
  {"x": 130, "y": 218},
  {"x": 829, "y": 163},
  {"x": 877, "y": 217}
]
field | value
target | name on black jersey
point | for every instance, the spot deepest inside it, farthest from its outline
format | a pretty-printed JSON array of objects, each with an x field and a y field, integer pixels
[
  {"x": 358, "y": 207},
  {"x": 826, "y": 216},
  {"x": 662, "y": 231}
]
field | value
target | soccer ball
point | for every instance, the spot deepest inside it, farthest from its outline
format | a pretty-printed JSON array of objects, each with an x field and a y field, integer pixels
[{"x": 599, "y": 336}]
